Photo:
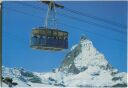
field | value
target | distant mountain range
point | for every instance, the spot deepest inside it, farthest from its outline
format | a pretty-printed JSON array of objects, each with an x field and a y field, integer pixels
[{"x": 83, "y": 66}]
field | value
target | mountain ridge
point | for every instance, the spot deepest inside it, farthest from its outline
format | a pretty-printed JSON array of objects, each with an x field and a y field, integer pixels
[{"x": 83, "y": 54}]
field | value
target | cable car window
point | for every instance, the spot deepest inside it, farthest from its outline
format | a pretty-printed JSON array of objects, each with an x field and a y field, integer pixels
[
  {"x": 60, "y": 33},
  {"x": 49, "y": 37},
  {"x": 54, "y": 33},
  {"x": 49, "y": 32},
  {"x": 44, "y": 37},
  {"x": 65, "y": 34},
  {"x": 36, "y": 32},
  {"x": 61, "y": 38},
  {"x": 42, "y": 32}
]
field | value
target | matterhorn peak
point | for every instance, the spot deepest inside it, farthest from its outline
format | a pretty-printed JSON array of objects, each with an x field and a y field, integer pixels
[
  {"x": 85, "y": 42},
  {"x": 87, "y": 63},
  {"x": 83, "y": 37},
  {"x": 82, "y": 56}
]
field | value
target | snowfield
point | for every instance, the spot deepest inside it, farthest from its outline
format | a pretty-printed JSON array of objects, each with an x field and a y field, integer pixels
[{"x": 83, "y": 66}]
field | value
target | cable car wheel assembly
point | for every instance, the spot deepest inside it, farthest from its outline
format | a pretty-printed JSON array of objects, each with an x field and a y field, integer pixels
[{"x": 49, "y": 37}]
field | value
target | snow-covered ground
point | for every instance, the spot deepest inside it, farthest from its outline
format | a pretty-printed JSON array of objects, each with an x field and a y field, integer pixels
[{"x": 83, "y": 66}]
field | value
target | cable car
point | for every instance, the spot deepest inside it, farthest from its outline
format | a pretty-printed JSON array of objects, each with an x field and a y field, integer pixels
[{"x": 49, "y": 37}]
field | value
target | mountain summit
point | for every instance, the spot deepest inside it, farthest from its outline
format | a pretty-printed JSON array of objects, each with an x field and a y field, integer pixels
[
  {"x": 83, "y": 56},
  {"x": 89, "y": 67},
  {"x": 83, "y": 66}
]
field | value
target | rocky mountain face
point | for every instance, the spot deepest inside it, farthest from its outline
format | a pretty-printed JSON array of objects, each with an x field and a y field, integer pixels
[
  {"x": 91, "y": 67},
  {"x": 83, "y": 66},
  {"x": 82, "y": 56},
  {"x": 19, "y": 75}
]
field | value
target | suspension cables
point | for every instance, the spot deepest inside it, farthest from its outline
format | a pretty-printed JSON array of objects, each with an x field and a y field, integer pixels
[
  {"x": 71, "y": 17},
  {"x": 95, "y": 17},
  {"x": 86, "y": 21},
  {"x": 67, "y": 25},
  {"x": 93, "y": 23},
  {"x": 100, "y": 35}
]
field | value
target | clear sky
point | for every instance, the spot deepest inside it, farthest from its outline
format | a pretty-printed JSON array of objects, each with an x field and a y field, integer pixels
[{"x": 20, "y": 18}]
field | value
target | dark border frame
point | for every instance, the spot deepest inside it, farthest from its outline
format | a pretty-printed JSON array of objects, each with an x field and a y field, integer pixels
[{"x": 1, "y": 43}]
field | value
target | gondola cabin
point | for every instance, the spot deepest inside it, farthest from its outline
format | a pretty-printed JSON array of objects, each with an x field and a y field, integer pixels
[{"x": 49, "y": 39}]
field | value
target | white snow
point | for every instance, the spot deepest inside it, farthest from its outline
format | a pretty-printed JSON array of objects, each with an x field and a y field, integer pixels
[
  {"x": 93, "y": 76},
  {"x": 74, "y": 46},
  {"x": 89, "y": 56}
]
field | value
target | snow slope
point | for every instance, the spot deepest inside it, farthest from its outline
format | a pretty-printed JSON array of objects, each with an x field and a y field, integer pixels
[{"x": 83, "y": 66}]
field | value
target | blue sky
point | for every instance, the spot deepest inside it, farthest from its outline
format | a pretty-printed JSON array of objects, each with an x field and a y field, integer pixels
[{"x": 19, "y": 19}]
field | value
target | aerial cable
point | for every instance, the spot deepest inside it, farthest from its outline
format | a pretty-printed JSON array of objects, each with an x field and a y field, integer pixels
[
  {"x": 100, "y": 35},
  {"x": 93, "y": 23},
  {"x": 96, "y": 18},
  {"x": 84, "y": 21},
  {"x": 68, "y": 25}
]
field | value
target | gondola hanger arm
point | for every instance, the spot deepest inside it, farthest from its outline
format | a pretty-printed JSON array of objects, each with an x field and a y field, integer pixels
[{"x": 48, "y": 3}]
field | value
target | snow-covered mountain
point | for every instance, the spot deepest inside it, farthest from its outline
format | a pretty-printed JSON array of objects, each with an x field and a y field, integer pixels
[{"x": 83, "y": 66}]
